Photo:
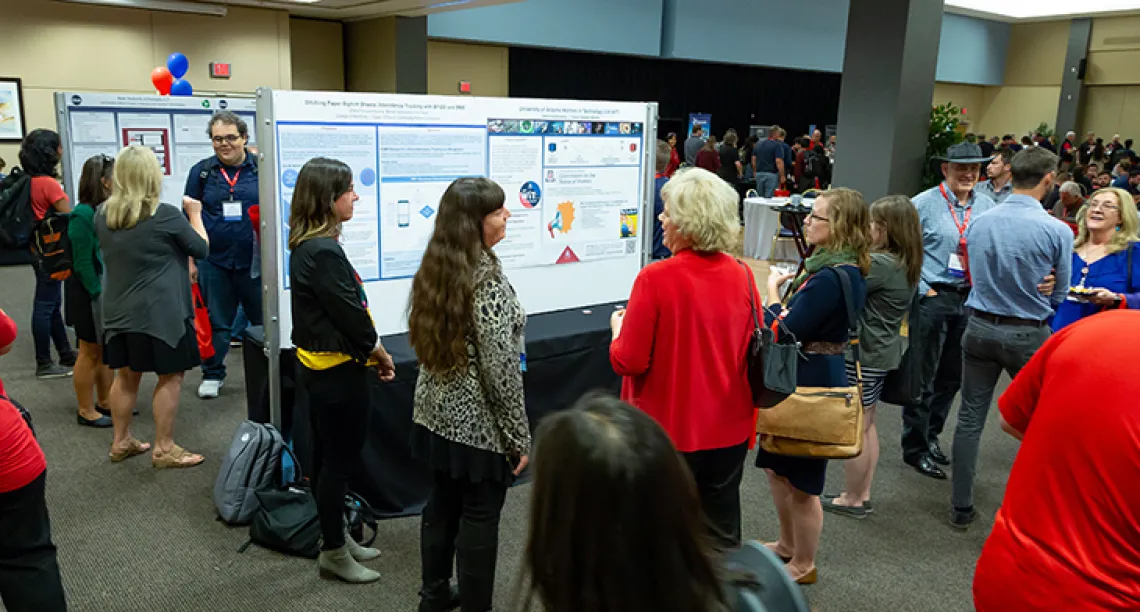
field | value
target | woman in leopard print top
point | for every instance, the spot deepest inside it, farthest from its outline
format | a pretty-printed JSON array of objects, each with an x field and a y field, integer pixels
[{"x": 466, "y": 326}]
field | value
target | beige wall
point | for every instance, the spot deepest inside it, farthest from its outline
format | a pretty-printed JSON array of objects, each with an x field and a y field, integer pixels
[
  {"x": 1017, "y": 110},
  {"x": 969, "y": 97},
  {"x": 317, "y": 49},
  {"x": 487, "y": 67},
  {"x": 54, "y": 46},
  {"x": 1036, "y": 53},
  {"x": 1113, "y": 78},
  {"x": 370, "y": 55}
]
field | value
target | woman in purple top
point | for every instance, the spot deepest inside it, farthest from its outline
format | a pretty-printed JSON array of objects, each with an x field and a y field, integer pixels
[{"x": 1105, "y": 249}]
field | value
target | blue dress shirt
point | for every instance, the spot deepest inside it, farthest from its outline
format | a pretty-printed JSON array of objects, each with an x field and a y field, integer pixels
[
  {"x": 940, "y": 234},
  {"x": 1011, "y": 249}
]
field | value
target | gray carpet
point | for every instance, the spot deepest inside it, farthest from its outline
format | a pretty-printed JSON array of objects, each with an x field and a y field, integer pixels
[{"x": 133, "y": 539}]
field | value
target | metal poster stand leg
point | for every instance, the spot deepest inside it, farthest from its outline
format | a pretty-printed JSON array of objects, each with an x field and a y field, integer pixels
[
  {"x": 650, "y": 163},
  {"x": 271, "y": 234}
]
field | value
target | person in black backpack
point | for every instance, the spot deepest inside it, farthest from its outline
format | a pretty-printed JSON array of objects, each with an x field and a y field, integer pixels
[
  {"x": 616, "y": 525},
  {"x": 40, "y": 153}
]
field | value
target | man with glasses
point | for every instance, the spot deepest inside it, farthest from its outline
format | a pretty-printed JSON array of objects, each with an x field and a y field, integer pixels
[
  {"x": 226, "y": 184},
  {"x": 1011, "y": 248}
]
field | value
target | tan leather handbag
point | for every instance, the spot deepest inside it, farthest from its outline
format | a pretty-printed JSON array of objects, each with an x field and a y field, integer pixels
[{"x": 820, "y": 422}]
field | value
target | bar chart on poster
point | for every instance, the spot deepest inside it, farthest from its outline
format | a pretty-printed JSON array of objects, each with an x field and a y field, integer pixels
[
  {"x": 576, "y": 177},
  {"x": 175, "y": 128}
]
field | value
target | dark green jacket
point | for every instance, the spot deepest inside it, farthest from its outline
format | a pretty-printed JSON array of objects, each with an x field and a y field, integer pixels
[{"x": 86, "y": 257}]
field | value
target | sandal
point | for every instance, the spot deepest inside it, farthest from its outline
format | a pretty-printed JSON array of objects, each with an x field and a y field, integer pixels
[
  {"x": 176, "y": 457},
  {"x": 134, "y": 447}
]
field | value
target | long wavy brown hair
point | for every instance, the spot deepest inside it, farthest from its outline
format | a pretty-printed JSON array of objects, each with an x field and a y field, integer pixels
[
  {"x": 903, "y": 229},
  {"x": 439, "y": 312},
  {"x": 850, "y": 224},
  {"x": 312, "y": 213}
]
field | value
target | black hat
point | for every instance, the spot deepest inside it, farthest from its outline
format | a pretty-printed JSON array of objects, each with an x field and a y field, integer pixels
[{"x": 964, "y": 153}]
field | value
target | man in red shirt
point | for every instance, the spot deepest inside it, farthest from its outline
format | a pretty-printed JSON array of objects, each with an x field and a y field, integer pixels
[
  {"x": 29, "y": 573},
  {"x": 1067, "y": 536}
]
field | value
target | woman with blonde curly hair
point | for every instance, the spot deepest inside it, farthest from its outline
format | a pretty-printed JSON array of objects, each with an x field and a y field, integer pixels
[
  {"x": 816, "y": 313},
  {"x": 681, "y": 343},
  {"x": 1106, "y": 237}
]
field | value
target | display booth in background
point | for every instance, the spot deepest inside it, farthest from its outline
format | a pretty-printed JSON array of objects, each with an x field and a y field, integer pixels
[
  {"x": 578, "y": 178},
  {"x": 175, "y": 128}
]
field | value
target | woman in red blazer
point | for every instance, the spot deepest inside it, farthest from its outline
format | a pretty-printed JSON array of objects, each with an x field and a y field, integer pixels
[{"x": 681, "y": 343}]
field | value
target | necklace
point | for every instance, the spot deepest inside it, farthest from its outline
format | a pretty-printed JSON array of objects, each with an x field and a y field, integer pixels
[{"x": 1087, "y": 254}]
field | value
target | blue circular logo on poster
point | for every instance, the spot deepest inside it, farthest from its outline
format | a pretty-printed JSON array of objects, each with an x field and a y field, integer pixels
[
  {"x": 530, "y": 194},
  {"x": 289, "y": 178},
  {"x": 367, "y": 177}
]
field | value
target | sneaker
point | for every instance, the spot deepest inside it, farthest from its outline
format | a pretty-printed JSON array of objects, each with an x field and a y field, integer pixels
[
  {"x": 68, "y": 360},
  {"x": 235, "y": 344},
  {"x": 209, "y": 389},
  {"x": 45, "y": 371},
  {"x": 962, "y": 519}
]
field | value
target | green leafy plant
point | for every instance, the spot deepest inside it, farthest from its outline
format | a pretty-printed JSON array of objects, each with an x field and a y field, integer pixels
[
  {"x": 1044, "y": 130},
  {"x": 944, "y": 120}
]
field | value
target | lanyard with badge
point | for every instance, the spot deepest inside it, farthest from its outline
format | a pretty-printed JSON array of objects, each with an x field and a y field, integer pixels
[
  {"x": 956, "y": 267},
  {"x": 231, "y": 208}
]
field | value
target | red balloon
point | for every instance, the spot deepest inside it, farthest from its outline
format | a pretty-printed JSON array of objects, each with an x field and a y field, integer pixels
[{"x": 162, "y": 80}]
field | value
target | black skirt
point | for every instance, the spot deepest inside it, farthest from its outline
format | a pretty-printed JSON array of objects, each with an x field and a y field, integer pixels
[
  {"x": 144, "y": 353},
  {"x": 79, "y": 312},
  {"x": 459, "y": 461}
]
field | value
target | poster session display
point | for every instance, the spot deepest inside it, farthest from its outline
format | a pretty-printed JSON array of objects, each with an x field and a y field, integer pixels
[
  {"x": 175, "y": 128},
  {"x": 578, "y": 178}
]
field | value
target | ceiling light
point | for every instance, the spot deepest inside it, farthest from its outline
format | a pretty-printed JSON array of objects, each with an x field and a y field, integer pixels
[
  {"x": 171, "y": 6},
  {"x": 1037, "y": 9}
]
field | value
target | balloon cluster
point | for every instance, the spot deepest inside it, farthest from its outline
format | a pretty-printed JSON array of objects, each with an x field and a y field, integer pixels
[{"x": 168, "y": 79}]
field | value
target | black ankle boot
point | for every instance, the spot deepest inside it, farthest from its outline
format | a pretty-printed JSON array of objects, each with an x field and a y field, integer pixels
[{"x": 439, "y": 597}]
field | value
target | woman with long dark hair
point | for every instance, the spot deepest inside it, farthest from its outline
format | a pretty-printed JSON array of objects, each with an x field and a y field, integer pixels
[
  {"x": 616, "y": 525},
  {"x": 84, "y": 294},
  {"x": 40, "y": 153},
  {"x": 674, "y": 157},
  {"x": 708, "y": 157},
  {"x": 896, "y": 264},
  {"x": 466, "y": 326},
  {"x": 336, "y": 345}
]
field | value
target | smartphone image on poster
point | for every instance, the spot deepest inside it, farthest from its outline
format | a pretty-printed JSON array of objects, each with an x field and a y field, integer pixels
[{"x": 403, "y": 213}]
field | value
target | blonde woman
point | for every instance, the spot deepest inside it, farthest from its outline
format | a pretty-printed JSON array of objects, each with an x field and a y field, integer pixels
[
  {"x": 148, "y": 316},
  {"x": 1107, "y": 232},
  {"x": 817, "y": 314}
]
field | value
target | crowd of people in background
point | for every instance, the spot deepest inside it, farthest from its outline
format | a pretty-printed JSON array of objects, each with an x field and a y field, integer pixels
[{"x": 985, "y": 277}]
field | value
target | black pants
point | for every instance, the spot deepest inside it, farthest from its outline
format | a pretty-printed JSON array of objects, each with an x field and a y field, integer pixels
[
  {"x": 29, "y": 574},
  {"x": 940, "y": 323},
  {"x": 461, "y": 525},
  {"x": 338, "y": 412},
  {"x": 717, "y": 473}
]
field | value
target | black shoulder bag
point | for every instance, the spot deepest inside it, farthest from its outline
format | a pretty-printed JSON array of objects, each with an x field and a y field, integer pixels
[{"x": 772, "y": 359}]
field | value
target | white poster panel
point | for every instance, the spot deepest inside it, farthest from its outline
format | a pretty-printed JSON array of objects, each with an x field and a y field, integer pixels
[
  {"x": 574, "y": 174},
  {"x": 175, "y": 128}
]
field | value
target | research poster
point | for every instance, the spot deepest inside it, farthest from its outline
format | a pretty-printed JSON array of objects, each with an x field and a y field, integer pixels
[
  {"x": 175, "y": 128},
  {"x": 573, "y": 175}
]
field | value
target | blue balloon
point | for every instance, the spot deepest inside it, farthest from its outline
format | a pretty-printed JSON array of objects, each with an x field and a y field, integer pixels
[
  {"x": 181, "y": 87},
  {"x": 177, "y": 64}
]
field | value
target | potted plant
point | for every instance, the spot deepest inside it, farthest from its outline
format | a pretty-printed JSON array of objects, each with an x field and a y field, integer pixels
[{"x": 944, "y": 120}]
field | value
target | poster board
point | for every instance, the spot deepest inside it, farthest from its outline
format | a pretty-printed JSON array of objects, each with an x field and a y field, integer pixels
[
  {"x": 578, "y": 178},
  {"x": 175, "y": 128}
]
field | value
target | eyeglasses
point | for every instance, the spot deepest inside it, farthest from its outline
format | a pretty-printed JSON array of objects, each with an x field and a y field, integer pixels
[
  {"x": 1104, "y": 207},
  {"x": 227, "y": 139},
  {"x": 815, "y": 217}
]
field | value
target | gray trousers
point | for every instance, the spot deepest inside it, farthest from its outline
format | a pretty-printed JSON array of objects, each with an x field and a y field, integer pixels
[{"x": 987, "y": 349}]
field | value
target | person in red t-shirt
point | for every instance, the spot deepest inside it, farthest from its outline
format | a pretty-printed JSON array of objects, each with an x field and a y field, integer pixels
[
  {"x": 40, "y": 153},
  {"x": 1067, "y": 536},
  {"x": 674, "y": 158},
  {"x": 29, "y": 573},
  {"x": 681, "y": 343}
]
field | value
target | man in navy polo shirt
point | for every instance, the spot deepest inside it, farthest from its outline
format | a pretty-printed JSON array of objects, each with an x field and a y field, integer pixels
[{"x": 226, "y": 184}]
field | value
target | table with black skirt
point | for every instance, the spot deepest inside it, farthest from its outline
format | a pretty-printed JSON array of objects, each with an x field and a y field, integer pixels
[{"x": 567, "y": 355}]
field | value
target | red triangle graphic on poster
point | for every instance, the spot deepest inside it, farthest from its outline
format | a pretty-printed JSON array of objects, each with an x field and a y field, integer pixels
[{"x": 567, "y": 256}]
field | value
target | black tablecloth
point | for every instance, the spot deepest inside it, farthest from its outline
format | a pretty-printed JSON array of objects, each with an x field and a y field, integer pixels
[{"x": 567, "y": 355}]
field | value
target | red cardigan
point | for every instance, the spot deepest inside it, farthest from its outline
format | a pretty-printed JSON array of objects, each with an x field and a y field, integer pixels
[{"x": 682, "y": 349}]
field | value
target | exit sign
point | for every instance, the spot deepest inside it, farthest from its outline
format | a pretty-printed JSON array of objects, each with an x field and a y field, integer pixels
[{"x": 218, "y": 70}]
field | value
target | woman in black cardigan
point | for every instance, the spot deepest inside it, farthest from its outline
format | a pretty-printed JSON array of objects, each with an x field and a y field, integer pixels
[{"x": 336, "y": 346}]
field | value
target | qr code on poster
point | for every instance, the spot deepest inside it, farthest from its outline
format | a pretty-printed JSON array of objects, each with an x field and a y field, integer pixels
[{"x": 630, "y": 247}]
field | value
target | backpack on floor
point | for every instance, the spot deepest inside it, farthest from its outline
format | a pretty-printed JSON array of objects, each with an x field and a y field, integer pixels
[
  {"x": 758, "y": 582},
  {"x": 16, "y": 220},
  {"x": 251, "y": 465},
  {"x": 51, "y": 246}
]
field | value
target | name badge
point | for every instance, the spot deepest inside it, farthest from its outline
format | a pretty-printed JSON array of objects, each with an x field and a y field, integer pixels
[
  {"x": 231, "y": 211},
  {"x": 955, "y": 267}
]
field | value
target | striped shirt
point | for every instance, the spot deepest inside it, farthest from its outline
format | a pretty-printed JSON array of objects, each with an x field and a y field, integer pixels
[
  {"x": 1012, "y": 248},
  {"x": 940, "y": 233}
]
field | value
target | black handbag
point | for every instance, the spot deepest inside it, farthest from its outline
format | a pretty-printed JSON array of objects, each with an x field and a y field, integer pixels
[
  {"x": 903, "y": 385},
  {"x": 772, "y": 358}
]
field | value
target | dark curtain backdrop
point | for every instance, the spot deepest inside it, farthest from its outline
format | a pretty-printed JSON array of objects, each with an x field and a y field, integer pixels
[{"x": 736, "y": 96}]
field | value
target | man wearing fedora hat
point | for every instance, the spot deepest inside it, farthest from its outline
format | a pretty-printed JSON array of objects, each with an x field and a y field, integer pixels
[{"x": 945, "y": 212}]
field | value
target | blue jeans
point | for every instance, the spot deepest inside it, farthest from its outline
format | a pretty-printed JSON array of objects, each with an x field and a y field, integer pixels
[
  {"x": 223, "y": 290},
  {"x": 241, "y": 323},
  {"x": 47, "y": 320},
  {"x": 766, "y": 183}
]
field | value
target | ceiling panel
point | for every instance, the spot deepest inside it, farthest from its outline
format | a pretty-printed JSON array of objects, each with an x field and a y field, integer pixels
[{"x": 348, "y": 10}]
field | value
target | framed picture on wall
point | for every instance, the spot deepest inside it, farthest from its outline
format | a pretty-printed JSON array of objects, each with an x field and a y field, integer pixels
[{"x": 12, "y": 125}]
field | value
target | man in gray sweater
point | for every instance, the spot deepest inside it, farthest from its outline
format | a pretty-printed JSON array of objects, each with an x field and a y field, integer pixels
[{"x": 693, "y": 145}]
